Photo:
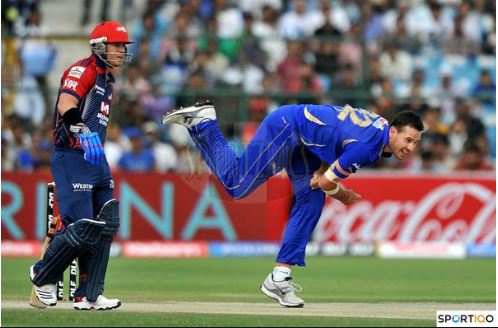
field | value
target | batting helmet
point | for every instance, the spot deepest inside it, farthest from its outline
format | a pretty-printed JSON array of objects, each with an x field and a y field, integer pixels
[{"x": 109, "y": 32}]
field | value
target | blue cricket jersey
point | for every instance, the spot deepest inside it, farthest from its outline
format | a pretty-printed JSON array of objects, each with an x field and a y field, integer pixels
[{"x": 355, "y": 137}]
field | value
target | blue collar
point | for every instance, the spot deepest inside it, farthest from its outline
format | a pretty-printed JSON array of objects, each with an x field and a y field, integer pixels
[
  {"x": 385, "y": 141},
  {"x": 100, "y": 62},
  {"x": 103, "y": 65},
  {"x": 110, "y": 77}
]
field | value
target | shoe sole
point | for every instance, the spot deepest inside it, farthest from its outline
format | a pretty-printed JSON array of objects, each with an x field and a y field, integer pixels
[
  {"x": 279, "y": 299},
  {"x": 35, "y": 302},
  {"x": 98, "y": 309},
  {"x": 183, "y": 111}
]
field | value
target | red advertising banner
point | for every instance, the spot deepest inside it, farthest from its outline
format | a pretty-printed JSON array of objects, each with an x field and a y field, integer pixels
[
  {"x": 408, "y": 208},
  {"x": 159, "y": 207},
  {"x": 172, "y": 207}
]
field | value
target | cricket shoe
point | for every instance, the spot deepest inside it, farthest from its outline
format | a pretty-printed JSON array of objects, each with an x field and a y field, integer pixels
[
  {"x": 282, "y": 291},
  {"x": 192, "y": 115},
  {"x": 46, "y": 294},
  {"x": 102, "y": 303}
]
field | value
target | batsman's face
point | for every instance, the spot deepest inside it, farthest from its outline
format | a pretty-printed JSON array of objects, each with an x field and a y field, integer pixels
[
  {"x": 403, "y": 143},
  {"x": 115, "y": 53}
]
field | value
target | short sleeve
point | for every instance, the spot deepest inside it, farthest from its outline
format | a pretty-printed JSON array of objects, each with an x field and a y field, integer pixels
[
  {"x": 78, "y": 80},
  {"x": 355, "y": 156}
]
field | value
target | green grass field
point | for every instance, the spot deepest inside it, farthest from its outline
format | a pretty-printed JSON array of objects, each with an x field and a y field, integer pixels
[{"x": 324, "y": 280}]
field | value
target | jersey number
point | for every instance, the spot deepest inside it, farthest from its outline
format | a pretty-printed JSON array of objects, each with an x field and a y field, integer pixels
[{"x": 352, "y": 113}]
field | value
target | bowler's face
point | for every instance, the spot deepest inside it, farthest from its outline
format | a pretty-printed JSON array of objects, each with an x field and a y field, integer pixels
[{"x": 403, "y": 143}]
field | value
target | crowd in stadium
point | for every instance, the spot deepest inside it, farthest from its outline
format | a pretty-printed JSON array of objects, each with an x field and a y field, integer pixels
[{"x": 435, "y": 57}]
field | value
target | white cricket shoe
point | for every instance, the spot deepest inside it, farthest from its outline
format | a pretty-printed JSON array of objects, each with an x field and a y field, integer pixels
[
  {"x": 47, "y": 294},
  {"x": 282, "y": 291},
  {"x": 102, "y": 303},
  {"x": 192, "y": 115}
]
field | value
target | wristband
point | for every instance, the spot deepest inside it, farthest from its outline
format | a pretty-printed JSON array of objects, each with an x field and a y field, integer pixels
[
  {"x": 333, "y": 191},
  {"x": 72, "y": 116},
  {"x": 329, "y": 174}
]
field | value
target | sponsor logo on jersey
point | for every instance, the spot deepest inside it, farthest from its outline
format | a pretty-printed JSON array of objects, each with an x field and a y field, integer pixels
[
  {"x": 380, "y": 123},
  {"x": 77, "y": 186},
  {"x": 70, "y": 84},
  {"x": 76, "y": 71},
  {"x": 99, "y": 90},
  {"x": 104, "y": 108},
  {"x": 103, "y": 115},
  {"x": 354, "y": 167}
]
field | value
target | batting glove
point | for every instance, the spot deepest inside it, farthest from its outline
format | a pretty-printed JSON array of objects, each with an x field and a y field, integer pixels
[{"x": 94, "y": 151}]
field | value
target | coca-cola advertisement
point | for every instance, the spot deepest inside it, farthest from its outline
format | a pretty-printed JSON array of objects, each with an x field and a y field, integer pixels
[{"x": 419, "y": 208}]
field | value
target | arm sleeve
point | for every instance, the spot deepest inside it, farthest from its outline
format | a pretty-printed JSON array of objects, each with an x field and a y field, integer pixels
[
  {"x": 78, "y": 80},
  {"x": 354, "y": 157}
]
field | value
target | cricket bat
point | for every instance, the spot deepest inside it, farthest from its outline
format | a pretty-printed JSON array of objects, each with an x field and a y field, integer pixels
[{"x": 51, "y": 229}]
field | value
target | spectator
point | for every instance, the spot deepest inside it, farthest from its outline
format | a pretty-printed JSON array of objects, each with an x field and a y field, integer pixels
[
  {"x": 473, "y": 125},
  {"x": 396, "y": 64},
  {"x": 216, "y": 62},
  {"x": 8, "y": 153},
  {"x": 446, "y": 95},
  {"x": 185, "y": 25},
  {"x": 138, "y": 158},
  {"x": 327, "y": 53},
  {"x": 38, "y": 56},
  {"x": 296, "y": 23},
  {"x": 151, "y": 26},
  {"x": 399, "y": 34},
  {"x": 157, "y": 103},
  {"x": 470, "y": 11},
  {"x": 87, "y": 8},
  {"x": 135, "y": 86},
  {"x": 115, "y": 145},
  {"x": 417, "y": 87},
  {"x": 288, "y": 69},
  {"x": 485, "y": 90},
  {"x": 350, "y": 50},
  {"x": 327, "y": 60},
  {"x": 426, "y": 162},
  {"x": 164, "y": 154},
  {"x": 346, "y": 84},
  {"x": 489, "y": 36},
  {"x": 29, "y": 104},
  {"x": 473, "y": 159},
  {"x": 372, "y": 18},
  {"x": 229, "y": 27},
  {"x": 459, "y": 43},
  {"x": 271, "y": 42},
  {"x": 441, "y": 148},
  {"x": 330, "y": 17},
  {"x": 15, "y": 15},
  {"x": 457, "y": 137}
]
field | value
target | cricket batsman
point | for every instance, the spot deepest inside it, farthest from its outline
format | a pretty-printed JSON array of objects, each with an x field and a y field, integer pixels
[
  {"x": 318, "y": 146},
  {"x": 84, "y": 185}
]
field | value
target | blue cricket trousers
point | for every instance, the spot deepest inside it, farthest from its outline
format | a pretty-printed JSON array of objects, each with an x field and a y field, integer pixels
[
  {"x": 82, "y": 189},
  {"x": 275, "y": 146}
]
